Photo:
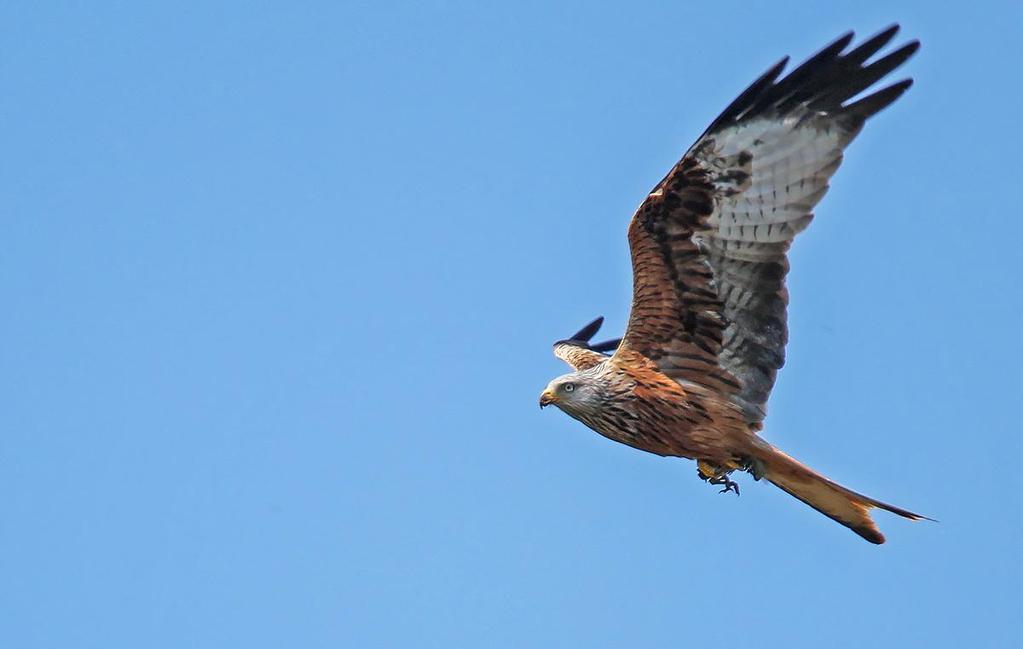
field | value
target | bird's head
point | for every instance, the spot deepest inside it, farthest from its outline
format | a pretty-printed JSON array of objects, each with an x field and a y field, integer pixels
[{"x": 574, "y": 393}]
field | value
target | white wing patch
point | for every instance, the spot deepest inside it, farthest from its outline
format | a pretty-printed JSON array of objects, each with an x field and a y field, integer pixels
[{"x": 770, "y": 174}]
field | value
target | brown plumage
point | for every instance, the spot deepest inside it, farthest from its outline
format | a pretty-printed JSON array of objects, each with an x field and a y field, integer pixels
[{"x": 707, "y": 330}]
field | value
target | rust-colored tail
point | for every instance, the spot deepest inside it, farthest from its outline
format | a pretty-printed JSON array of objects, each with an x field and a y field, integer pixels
[{"x": 829, "y": 498}]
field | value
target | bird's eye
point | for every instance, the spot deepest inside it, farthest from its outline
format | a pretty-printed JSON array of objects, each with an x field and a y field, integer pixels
[{"x": 569, "y": 387}]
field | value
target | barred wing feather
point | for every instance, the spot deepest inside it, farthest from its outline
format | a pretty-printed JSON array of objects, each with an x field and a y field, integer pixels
[{"x": 709, "y": 243}]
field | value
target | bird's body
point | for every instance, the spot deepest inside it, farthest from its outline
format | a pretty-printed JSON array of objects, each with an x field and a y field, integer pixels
[
  {"x": 664, "y": 417},
  {"x": 707, "y": 330}
]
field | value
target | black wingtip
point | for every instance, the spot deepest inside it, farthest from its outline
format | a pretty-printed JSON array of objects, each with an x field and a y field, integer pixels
[
  {"x": 590, "y": 330},
  {"x": 844, "y": 39},
  {"x": 582, "y": 338},
  {"x": 875, "y": 103},
  {"x": 831, "y": 50},
  {"x": 910, "y": 48},
  {"x": 606, "y": 346},
  {"x": 825, "y": 82},
  {"x": 888, "y": 33},
  {"x": 776, "y": 69},
  {"x": 869, "y": 47},
  {"x": 748, "y": 96}
]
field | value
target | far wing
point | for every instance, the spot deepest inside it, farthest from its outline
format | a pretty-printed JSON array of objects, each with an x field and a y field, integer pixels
[
  {"x": 709, "y": 243},
  {"x": 579, "y": 353}
]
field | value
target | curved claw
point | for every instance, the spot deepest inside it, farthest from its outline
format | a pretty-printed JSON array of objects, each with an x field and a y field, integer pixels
[{"x": 730, "y": 485}]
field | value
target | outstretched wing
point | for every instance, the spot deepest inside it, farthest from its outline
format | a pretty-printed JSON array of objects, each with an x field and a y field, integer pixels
[
  {"x": 579, "y": 353},
  {"x": 709, "y": 243}
]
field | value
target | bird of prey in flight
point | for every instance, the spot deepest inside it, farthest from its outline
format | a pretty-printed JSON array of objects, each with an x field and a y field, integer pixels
[{"x": 707, "y": 331}]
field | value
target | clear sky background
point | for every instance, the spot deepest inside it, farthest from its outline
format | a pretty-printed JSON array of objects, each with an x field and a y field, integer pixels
[{"x": 279, "y": 283}]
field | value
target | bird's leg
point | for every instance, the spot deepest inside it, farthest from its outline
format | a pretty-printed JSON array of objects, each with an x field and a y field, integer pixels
[
  {"x": 716, "y": 475},
  {"x": 753, "y": 466},
  {"x": 722, "y": 478}
]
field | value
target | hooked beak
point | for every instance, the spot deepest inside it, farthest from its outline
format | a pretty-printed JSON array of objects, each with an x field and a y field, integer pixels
[{"x": 546, "y": 399}]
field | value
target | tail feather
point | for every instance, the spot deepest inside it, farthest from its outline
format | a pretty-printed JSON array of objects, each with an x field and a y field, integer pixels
[{"x": 829, "y": 498}]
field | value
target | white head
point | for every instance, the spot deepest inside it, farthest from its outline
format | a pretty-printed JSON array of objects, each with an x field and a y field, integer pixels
[{"x": 578, "y": 393}]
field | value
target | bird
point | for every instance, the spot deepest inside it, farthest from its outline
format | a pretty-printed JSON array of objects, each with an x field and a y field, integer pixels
[{"x": 707, "y": 330}]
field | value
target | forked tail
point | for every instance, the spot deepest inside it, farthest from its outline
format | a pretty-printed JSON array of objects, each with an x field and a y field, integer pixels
[{"x": 829, "y": 498}]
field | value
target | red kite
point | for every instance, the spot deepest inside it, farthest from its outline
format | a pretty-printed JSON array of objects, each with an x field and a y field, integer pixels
[{"x": 707, "y": 331}]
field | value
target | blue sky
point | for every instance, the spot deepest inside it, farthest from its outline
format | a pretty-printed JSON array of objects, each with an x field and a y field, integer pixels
[{"x": 280, "y": 283}]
